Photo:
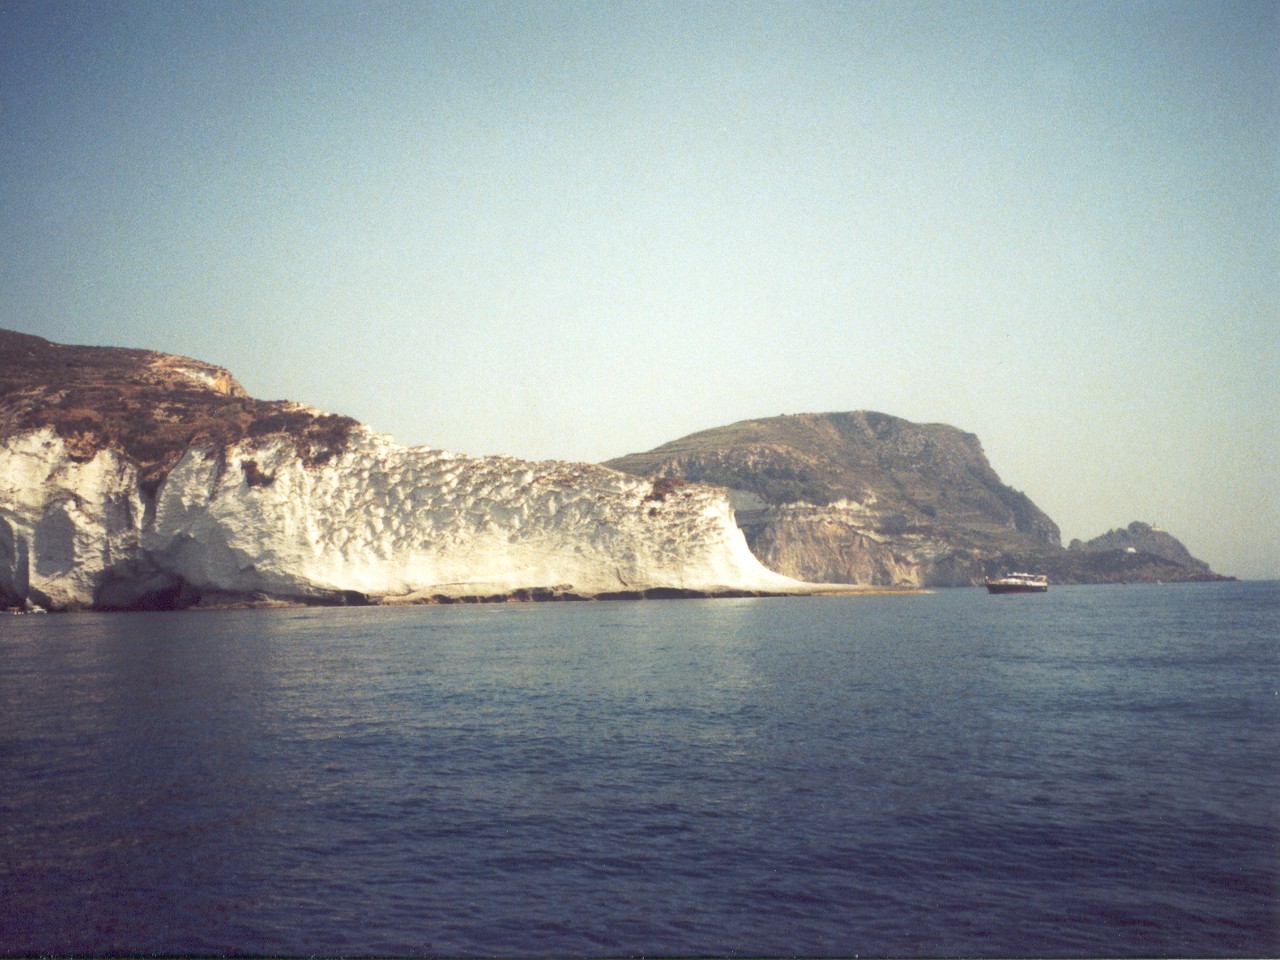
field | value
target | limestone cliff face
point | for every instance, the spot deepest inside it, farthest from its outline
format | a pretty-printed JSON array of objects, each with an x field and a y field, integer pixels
[
  {"x": 827, "y": 545},
  {"x": 64, "y": 519},
  {"x": 202, "y": 495},
  {"x": 378, "y": 521}
]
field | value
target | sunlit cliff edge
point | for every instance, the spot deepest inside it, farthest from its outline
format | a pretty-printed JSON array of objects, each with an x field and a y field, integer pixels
[{"x": 137, "y": 480}]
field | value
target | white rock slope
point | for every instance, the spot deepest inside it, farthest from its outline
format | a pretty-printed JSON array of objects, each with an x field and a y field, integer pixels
[{"x": 378, "y": 521}]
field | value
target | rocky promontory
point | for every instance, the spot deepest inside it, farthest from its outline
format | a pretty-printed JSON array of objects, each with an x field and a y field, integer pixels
[
  {"x": 868, "y": 498},
  {"x": 1142, "y": 538},
  {"x": 138, "y": 480}
]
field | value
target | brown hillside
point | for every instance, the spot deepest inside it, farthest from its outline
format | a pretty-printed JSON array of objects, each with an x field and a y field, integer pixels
[
  {"x": 149, "y": 406},
  {"x": 916, "y": 475}
]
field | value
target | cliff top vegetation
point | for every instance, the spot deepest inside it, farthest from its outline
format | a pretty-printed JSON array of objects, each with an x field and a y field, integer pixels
[{"x": 148, "y": 406}]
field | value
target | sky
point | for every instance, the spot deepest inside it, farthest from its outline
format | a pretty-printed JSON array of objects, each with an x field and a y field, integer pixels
[{"x": 576, "y": 230}]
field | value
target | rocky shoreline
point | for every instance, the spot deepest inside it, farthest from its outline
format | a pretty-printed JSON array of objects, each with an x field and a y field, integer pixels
[{"x": 521, "y": 595}]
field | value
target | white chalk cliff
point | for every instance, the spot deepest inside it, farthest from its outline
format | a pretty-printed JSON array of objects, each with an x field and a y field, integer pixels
[
  {"x": 134, "y": 479},
  {"x": 377, "y": 521}
]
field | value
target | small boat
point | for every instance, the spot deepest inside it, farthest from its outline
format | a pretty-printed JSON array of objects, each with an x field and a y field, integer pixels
[{"x": 1019, "y": 583}]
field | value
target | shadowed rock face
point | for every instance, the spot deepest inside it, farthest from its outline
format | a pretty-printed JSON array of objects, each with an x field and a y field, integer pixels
[
  {"x": 868, "y": 498},
  {"x": 135, "y": 480}
]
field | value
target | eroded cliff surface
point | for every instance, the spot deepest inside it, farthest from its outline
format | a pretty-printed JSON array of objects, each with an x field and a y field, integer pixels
[{"x": 136, "y": 480}]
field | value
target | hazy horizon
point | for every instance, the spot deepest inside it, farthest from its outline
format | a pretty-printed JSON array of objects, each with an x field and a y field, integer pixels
[{"x": 576, "y": 231}]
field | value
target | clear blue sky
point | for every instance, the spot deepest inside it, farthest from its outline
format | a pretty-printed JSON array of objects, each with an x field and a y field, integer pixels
[{"x": 576, "y": 230}]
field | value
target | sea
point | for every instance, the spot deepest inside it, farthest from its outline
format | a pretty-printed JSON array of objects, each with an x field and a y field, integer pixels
[{"x": 1094, "y": 771}]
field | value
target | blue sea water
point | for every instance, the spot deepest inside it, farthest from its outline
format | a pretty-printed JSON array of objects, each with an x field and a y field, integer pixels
[{"x": 1092, "y": 771}]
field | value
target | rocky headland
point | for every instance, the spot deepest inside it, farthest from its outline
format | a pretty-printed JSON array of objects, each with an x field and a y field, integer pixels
[
  {"x": 139, "y": 480},
  {"x": 868, "y": 498}
]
